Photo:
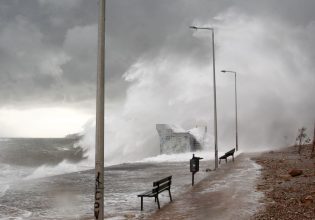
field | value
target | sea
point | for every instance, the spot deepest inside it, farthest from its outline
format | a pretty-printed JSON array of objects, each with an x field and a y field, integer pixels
[{"x": 52, "y": 178}]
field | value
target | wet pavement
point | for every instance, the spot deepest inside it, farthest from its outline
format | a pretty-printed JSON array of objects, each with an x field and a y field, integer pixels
[{"x": 228, "y": 193}]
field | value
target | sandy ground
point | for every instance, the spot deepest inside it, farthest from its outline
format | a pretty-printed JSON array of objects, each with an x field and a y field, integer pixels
[
  {"x": 228, "y": 193},
  {"x": 287, "y": 197}
]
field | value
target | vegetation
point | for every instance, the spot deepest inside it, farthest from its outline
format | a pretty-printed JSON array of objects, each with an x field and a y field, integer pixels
[{"x": 302, "y": 138}]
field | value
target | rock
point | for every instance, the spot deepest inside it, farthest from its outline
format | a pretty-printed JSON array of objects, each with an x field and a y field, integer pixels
[
  {"x": 208, "y": 170},
  {"x": 295, "y": 172},
  {"x": 307, "y": 200},
  {"x": 309, "y": 197},
  {"x": 285, "y": 177}
]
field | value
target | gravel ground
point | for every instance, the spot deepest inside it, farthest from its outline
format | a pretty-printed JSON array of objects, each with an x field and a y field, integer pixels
[{"x": 287, "y": 197}]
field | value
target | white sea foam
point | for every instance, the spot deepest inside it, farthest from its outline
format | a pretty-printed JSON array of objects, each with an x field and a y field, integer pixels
[
  {"x": 199, "y": 133},
  {"x": 8, "y": 212},
  {"x": 4, "y": 139},
  {"x": 3, "y": 189},
  {"x": 176, "y": 157},
  {"x": 10, "y": 173},
  {"x": 61, "y": 168},
  {"x": 206, "y": 155}
]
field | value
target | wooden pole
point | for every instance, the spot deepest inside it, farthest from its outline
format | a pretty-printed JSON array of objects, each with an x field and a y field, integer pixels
[{"x": 99, "y": 134}]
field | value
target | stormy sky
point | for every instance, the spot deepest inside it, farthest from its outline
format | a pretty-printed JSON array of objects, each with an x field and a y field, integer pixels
[{"x": 157, "y": 69}]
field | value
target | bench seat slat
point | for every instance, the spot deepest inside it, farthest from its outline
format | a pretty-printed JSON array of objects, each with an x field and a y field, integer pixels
[
  {"x": 223, "y": 157},
  {"x": 230, "y": 152},
  {"x": 162, "y": 187},
  {"x": 156, "y": 183}
]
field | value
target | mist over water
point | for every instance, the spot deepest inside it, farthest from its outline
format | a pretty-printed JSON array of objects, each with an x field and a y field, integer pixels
[{"x": 274, "y": 79}]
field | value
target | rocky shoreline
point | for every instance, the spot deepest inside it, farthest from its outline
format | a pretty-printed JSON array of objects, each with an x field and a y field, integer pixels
[{"x": 288, "y": 182}]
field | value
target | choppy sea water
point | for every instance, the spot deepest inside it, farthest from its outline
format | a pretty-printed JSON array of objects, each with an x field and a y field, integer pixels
[{"x": 52, "y": 179}]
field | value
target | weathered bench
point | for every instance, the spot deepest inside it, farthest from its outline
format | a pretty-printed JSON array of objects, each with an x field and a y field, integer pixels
[
  {"x": 227, "y": 154},
  {"x": 158, "y": 187}
]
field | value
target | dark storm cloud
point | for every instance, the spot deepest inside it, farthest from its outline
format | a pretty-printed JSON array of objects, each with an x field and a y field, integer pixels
[
  {"x": 35, "y": 51},
  {"x": 49, "y": 47},
  {"x": 52, "y": 44}
]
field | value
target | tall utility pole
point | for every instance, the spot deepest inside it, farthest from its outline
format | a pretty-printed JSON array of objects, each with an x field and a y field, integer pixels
[
  {"x": 236, "y": 122},
  {"x": 313, "y": 140},
  {"x": 214, "y": 94},
  {"x": 99, "y": 134}
]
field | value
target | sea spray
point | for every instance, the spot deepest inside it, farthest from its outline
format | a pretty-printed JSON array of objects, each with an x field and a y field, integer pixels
[
  {"x": 172, "y": 88},
  {"x": 61, "y": 168},
  {"x": 154, "y": 96}
]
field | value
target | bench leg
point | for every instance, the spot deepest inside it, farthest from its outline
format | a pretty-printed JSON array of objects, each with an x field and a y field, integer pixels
[
  {"x": 225, "y": 160},
  {"x": 233, "y": 158},
  {"x": 169, "y": 192},
  {"x": 141, "y": 203},
  {"x": 157, "y": 198},
  {"x": 219, "y": 161}
]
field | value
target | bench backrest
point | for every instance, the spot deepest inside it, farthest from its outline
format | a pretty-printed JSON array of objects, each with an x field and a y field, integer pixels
[
  {"x": 162, "y": 184},
  {"x": 231, "y": 152}
]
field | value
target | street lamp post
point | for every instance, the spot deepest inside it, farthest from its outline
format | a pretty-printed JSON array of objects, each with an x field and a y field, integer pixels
[
  {"x": 99, "y": 137},
  {"x": 236, "y": 130},
  {"x": 214, "y": 94}
]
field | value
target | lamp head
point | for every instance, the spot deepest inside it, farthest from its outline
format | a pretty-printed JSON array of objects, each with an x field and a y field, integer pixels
[{"x": 193, "y": 27}]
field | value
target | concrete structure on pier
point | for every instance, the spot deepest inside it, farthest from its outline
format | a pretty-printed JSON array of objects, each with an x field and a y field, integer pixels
[{"x": 174, "y": 139}]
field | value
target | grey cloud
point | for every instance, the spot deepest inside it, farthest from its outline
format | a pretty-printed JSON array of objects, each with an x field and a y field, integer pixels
[
  {"x": 48, "y": 48},
  {"x": 134, "y": 29}
]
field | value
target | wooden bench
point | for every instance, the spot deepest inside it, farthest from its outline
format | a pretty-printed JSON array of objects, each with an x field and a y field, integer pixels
[
  {"x": 158, "y": 187},
  {"x": 227, "y": 154}
]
